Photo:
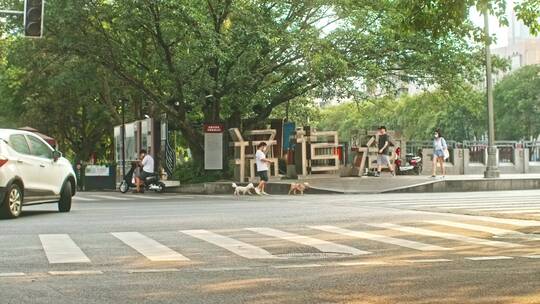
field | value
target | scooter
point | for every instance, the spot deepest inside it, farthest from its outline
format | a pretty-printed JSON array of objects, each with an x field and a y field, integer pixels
[
  {"x": 411, "y": 166},
  {"x": 152, "y": 182}
]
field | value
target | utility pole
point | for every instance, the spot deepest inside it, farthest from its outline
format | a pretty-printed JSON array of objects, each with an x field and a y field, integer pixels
[
  {"x": 492, "y": 168},
  {"x": 123, "y": 135}
]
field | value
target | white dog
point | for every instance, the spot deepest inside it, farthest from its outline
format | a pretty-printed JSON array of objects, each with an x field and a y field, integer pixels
[{"x": 243, "y": 190}]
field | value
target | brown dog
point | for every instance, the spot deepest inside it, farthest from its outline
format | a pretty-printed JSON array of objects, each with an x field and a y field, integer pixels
[{"x": 298, "y": 187}]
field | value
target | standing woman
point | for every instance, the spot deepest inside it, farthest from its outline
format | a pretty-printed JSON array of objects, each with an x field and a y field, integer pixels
[{"x": 440, "y": 152}]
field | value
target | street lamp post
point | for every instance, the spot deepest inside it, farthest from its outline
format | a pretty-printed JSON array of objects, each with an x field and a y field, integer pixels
[
  {"x": 492, "y": 168},
  {"x": 123, "y": 135}
]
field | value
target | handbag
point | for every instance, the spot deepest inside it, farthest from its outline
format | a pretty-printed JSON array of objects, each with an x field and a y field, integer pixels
[{"x": 446, "y": 154}]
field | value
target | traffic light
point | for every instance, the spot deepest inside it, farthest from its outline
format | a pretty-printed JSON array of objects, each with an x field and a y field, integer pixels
[{"x": 33, "y": 18}]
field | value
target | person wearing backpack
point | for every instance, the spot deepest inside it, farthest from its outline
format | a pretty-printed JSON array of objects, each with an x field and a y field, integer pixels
[{"x": 440, "y": 153}]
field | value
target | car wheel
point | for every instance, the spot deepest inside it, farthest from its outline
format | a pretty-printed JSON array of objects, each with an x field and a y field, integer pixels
[
  {"x": 124, "y": 187},
  {"x": 12, "y": 206},
  {"x": 64, "y": 204}
]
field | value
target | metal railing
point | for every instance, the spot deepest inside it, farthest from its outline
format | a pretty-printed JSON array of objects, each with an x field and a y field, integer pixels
[
  {"x": 534, "y": 150},
  {"x": 506, "y": 151}
]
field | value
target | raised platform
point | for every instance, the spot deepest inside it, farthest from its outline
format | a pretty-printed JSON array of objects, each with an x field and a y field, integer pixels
[{"x": 386, "y": 184}]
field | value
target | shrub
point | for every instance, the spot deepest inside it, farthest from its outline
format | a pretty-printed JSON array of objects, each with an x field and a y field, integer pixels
[{"x": 194, "y": 173}]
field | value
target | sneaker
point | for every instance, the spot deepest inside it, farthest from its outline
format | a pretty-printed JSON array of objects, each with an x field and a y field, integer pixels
[
  {"x": 264, "y": 193},
  {"x": 393, "y": 173},
  {"x": 257, "y": 191}
]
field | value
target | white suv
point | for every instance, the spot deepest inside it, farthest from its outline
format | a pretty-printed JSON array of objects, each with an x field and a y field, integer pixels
[{"x": 32, "y": 172}]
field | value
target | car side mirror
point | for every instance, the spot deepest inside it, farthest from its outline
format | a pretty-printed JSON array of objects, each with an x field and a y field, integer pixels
[{"x": 56, "y": 155}]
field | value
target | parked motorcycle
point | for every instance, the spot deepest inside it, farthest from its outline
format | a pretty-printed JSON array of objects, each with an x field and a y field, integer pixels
[
  {"x": 411, "y": 166},
  {"x": 152, "y": 182}
]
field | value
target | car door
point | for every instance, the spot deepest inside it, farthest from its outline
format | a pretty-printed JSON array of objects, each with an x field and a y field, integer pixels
[
  {"x": 26, "y": 166},
  {"x": 48, "y": 179}
]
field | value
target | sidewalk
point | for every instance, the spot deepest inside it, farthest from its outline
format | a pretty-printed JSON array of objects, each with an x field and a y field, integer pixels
[{"x": 385, "y": 184}]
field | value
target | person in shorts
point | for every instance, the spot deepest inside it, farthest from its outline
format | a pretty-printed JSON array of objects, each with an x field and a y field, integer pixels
[
  {"x": 383, "y": 157},
  {"x": 440, "y": 152},
  {"x": 262, "y": 168}
]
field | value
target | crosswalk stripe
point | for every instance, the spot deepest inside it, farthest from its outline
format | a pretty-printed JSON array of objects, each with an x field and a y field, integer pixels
[
  {"x": 444, "y": 235},
  {"x": 488, "y": 207},
  {"x": 473, "y": 205},
  {"x": 80, "y": 198},
  {"x": 519, "y": 211},
  {"x": 428, "y": 261},
  {"x": 513, "y": 222},
  {"x": 489, "y": 258},
  {"x": 380, "y": 238},
  {"x": 492, "y": 230},
  {"x": 467, "y": 201},
  {"x": 237, "y": 247},
  {"x": 503, "y": 208},
  {"x": 110, "y": 197},
  {"x": 321, "y": 245},
  {"x": 60, "y": 249},
  {"x": 151, "y": 249},
  {"x": 145, "y": 197}
]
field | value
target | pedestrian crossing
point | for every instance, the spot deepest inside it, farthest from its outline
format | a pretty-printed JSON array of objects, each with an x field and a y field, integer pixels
[
  {"x": 151, "y": 249},
  {"x": 60, "y": 248},
  {"x": 526, "y": 206},
  {"x": 360, "y": 241}
]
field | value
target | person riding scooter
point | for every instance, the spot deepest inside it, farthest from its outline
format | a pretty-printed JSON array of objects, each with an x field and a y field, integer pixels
[{"x": 147, "y": 170}]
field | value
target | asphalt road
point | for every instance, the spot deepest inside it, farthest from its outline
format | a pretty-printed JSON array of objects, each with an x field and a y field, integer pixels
[{"x": 395, "y": 248}]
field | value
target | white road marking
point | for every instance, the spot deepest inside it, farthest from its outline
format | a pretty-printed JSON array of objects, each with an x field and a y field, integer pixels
[
  {"x": 466, "y": 205},
  {"x": 226, "y": 269},
  {"x": 520, "y": 207},
  {"x": 153, "y": 270},
  {"x": 110, "y": 197},
  {"x": 321, "y": 245},
  {"x": 489, "y": 258},
  {"x": 145, "y": 197},
  {"x": 492, "y": 230},
  {"x": 237, "y": 247},
  {"x": 518, "y": 211},
  {"x": 380, "y": 238},
  {"x": 492, "y": 207},
  {"x": 80, "y": 198},
  {"x": 534, "y": 256},
  {"x": 374, "y": 263},
  {"x": 298, "y": 266},
  {"x": 429, "y": 261},
  {"x": 60, "y": 248},
  {"x": 520, "y": 223},
  {"x": 444, "y": 235},
  {"x": 152, "y": 250},
  {"x": 76, "y": 272},
  {"x": 12, "y": 274}
]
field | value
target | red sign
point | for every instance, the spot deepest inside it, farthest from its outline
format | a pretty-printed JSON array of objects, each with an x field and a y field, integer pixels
[{"x": 213, "y": 128}]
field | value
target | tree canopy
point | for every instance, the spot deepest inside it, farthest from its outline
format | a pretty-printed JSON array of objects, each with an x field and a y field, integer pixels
[
  {"x": 229, "y": 61},
  {"x": 517, "y": 104}
]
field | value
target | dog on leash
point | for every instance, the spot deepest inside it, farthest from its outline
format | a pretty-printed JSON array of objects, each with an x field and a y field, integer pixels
[
  {"x": 298, "y": 187},
  {"x": 242, "y": 190}
]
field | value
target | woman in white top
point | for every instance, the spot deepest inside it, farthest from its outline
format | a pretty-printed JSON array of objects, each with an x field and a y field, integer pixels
[{"x": 440, "y": 150}]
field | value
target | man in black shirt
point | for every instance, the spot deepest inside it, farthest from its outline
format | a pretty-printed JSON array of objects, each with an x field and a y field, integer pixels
[{"x": 383, "y": 159}]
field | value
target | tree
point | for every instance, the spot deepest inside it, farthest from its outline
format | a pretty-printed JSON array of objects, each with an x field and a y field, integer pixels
[
  {"x": 459, "y": 113},
  {"x": 206, "y": 61},
  {"x": 517, "y": 104},
  {"x": 233, "y": 61}
]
